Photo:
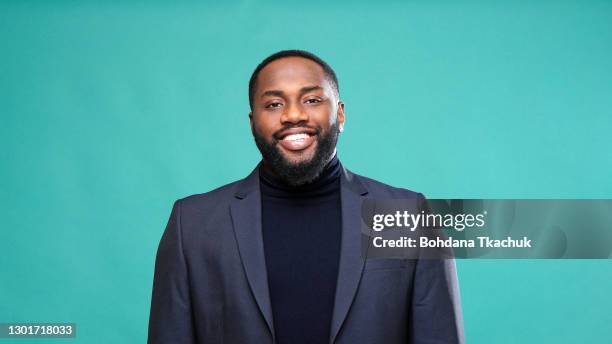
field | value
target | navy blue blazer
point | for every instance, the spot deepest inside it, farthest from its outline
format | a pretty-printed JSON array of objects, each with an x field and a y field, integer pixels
[{"x": 211, "y": 286}]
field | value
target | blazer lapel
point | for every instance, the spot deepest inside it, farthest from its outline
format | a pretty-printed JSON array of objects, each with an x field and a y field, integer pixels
[
  {"x": 351, "y": 261},
  {"x": 246, "y": 219}
]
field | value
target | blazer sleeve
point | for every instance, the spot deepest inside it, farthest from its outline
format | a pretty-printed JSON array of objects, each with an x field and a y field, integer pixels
[
  {"x": 436, "y": 306},
  {"x": 170, "y": 319}
]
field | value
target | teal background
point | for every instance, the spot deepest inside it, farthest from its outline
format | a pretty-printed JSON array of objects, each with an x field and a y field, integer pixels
[{"x": 112, "y": 110}]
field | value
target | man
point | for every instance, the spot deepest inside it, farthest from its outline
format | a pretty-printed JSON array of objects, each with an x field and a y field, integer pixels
[{"x": 276, "y": 257}]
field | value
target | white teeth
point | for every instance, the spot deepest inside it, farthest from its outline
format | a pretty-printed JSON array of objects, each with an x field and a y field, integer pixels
[{"x": 295, "y": 137}]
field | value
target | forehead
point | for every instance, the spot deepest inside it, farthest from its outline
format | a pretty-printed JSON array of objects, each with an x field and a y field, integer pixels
[{"x": 291, "y": 72}]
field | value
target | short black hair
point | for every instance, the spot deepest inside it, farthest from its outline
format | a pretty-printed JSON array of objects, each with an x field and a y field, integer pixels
[{"x": 329, "y": 72}]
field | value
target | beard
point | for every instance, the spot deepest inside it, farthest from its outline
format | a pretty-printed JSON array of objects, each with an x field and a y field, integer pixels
[{"x": 301, "y": 172}]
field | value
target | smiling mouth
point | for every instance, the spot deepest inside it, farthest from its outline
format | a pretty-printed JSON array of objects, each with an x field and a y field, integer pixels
[{"x": 297, "y": 141}]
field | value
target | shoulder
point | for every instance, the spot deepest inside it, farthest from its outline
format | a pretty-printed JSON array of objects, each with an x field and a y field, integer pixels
[
  {"x": 380, "y": 189},
  {"x": 210, "y": 200}
]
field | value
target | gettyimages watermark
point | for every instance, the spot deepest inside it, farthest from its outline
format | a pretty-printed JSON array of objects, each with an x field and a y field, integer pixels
[{"x": 486, "y": 228}]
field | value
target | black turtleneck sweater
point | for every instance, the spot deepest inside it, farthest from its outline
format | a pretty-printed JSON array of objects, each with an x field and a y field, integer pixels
[{"x": 301, "y": 233}]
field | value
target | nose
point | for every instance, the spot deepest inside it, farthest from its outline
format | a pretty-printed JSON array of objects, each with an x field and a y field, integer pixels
[{"x": 293, "y": 114}]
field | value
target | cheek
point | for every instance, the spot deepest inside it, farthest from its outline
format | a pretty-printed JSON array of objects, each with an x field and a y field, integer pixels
[
  {"x": 325, "y": 116},
  {"x": 330, "y": 117},
  {"x": 264, "y": 127}
]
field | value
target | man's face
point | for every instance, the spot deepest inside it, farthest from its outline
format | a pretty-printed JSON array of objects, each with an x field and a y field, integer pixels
[{"x": 295, "y": 118}]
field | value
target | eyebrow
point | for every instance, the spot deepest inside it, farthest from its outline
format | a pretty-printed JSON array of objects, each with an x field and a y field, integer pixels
[{"x": 279, "y": 93}]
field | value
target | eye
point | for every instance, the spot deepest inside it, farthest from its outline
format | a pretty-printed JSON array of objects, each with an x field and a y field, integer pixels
[
  {"x": 313, "y": 100},
  {"x": 273, "y": 105}
]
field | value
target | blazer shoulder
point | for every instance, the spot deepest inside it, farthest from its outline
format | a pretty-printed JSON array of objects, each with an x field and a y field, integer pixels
[
  {"x": 380, "y": 189},
  {"x": 219, "y": 196}
]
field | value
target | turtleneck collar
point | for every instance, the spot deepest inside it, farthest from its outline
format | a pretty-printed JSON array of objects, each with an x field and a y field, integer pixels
[{"x": 327, "y": 182}]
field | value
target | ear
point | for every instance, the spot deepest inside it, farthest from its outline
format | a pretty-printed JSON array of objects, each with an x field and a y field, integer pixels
[
  {"x": 251, "y": 120},
  {"x": 340, "y": 114}
]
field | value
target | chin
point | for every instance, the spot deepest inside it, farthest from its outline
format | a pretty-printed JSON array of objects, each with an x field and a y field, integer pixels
[
  {"x": 293, "y": 160},
  {"x": 298, "y": 157}
]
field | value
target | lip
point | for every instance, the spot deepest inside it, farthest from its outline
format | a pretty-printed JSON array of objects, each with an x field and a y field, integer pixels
[
  {"x": 311, "y": 132},
  {"x": 300, "y": 144}
]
